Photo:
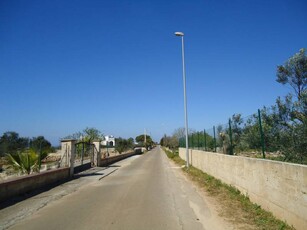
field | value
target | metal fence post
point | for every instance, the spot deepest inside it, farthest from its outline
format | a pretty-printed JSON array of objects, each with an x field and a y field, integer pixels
[
  {"x": 261, "y": 134},
  {"x": 205, "y": 139},
  {"x": 198, "y": 140},
  {"x": 40, "y": 156},
  {"x": 214, "y": 139},
  {"x": 230, "y": 137},
  {"x": 182, "y": 142},
  {"x": 192, "y": 141},
  {"x": 82, "y": 156}
]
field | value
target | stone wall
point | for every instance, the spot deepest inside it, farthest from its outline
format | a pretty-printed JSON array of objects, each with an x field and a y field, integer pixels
[
  {"x": 24, "y": 184},
  {"x": 278, "y": 187}
]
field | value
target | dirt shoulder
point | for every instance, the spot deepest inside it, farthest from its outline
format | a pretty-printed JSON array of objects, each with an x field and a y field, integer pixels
[{"x": 227, "y": 201}]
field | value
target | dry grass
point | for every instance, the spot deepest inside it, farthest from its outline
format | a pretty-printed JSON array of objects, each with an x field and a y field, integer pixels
[{"x": 234, "y": 206}]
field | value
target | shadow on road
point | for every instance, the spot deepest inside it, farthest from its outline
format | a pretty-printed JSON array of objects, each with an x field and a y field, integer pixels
[
  {"x": 27, "y": 195},
  {"x": 97, "y": 171}
]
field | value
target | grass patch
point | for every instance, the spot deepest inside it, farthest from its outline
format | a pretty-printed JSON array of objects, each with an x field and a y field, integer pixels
[
  {"x": 174, "y": 155},
  {"x": 235, "y": 206}
]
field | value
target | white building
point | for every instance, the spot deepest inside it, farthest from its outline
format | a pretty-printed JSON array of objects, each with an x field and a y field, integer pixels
[{"x": 109, "y": 140}]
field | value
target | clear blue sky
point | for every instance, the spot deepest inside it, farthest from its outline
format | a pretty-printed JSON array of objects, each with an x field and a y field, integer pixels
[{"x": 116, "y": 65}]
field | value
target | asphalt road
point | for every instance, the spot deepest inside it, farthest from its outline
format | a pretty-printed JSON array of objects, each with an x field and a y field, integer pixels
[{"x": 142, "y": 192}]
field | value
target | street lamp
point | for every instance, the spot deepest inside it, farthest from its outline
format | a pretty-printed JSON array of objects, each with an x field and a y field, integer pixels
[{"x": 180, "y": 34}]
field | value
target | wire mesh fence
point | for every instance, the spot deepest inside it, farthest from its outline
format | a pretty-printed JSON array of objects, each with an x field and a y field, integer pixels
[{"x": 263, "y": 134}]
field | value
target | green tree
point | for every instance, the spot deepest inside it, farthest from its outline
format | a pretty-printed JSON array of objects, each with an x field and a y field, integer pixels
[
  {"x": 290, "y": 119},
  {"x": 294, "y": 73},
  {"x": 88, "y": 135},
  {"x": 41, "y": 146},
  {"x": 250, "y": 139},
  {"x": 10, "y": 142},
  {"x": 236, "y": 125},
  {"x": 92, "y": 134},
  {"x": 131, "y": 142},
  {"x": 123, "y": 144},
  {"x": 179, "y": 133},
  {"x": 76, "y": 136},
  {"x": 141, "y": 140},
  {"x": 40, "y": 143},
  {"x": 291, "y": 115},
  {"x": 171, "y": 142}
]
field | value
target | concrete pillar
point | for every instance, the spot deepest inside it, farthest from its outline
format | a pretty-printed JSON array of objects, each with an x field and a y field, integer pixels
[
  {"x": 97, "y": 153},
  {"x": 68, "y": 148}
]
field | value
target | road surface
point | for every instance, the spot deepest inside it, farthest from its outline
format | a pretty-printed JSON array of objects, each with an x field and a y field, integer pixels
[{"x": 142, "y": 192}]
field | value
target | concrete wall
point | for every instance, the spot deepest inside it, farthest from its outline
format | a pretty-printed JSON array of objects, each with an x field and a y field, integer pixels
[
  {"x": 15, "y": 187},
  {"x": 110, "y": 160},
  {"x": 277, "y": 186}
]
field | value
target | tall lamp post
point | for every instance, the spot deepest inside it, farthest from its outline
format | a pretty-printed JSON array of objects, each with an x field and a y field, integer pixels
[{"x": 180, "y": 34}]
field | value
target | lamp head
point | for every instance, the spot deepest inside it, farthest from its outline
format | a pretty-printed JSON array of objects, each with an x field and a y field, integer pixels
[{"x": 179, "y": 34}]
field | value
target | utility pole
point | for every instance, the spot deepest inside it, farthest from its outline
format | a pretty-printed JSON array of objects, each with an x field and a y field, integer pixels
[{"x": 145, "y": 137}]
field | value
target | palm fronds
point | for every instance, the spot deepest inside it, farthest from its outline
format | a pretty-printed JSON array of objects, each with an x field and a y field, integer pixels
[{"x": 24, "y": 163}]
